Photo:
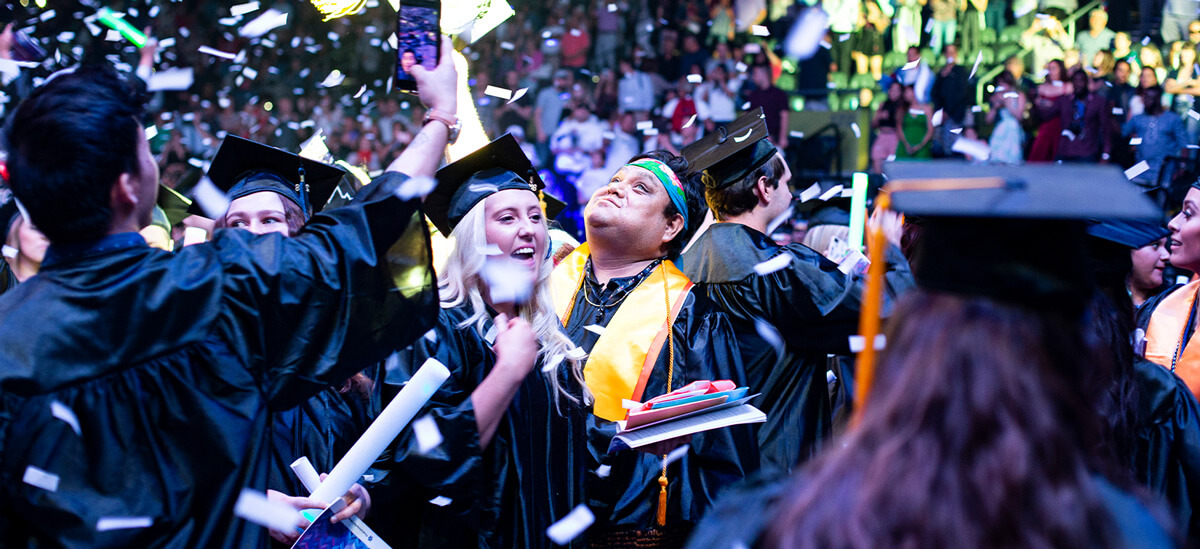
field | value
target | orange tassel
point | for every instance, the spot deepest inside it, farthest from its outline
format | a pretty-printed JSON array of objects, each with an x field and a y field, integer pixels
[{"x": 662, "y": 501}]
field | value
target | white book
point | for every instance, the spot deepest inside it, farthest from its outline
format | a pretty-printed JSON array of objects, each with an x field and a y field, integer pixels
[{"x": 705, "y": 420}]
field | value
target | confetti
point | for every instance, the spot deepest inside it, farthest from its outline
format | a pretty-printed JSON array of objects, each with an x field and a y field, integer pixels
[
  {"x": 211, "y": 199},
  {"x": 10, "y": 252},
  {"x": 833, "y": 191},
  {"x": 676, "y": 455},
  {"x": 690, "y": 121},
  {"x": 151, "y": 132},
  {"x": 576, "y": 353},
  {"x": 769, "y": 334},
  {"x": 740, "y": 67},
  {"x": 796, "y": 133},
  {"x": 40, "y": 479},
  {"x": 1070, "y": 135},
  {"x": 744, "y": 137},
  {"x": 1137, "y": 169},
  {"x": 518, "y": 94},
  {"x": 489, "y": 249},
  {"x": 1194, "y": 114},
  {"x": 122, "y": 523},
  {"x": 630, "y": 404},
  {"x": 776, "y": 263},
  {"x": 243, "y": 9},
  {"x": 501, "y": 93},
  {"x": 859, "y": 343},
  {"x": 695, "y": 78},
  {"x": 857, "y": 132},
  {"x": 217, "y": 53},
  {"x": 255, "y": 507},
  {"x": 603, "y": 471},
  {"x": 508, "y": 280},
  {"x": 759, "y": 30},
  {"x": 811, "y": 192},
  {"x": 441, "y": 501},
  {"x": 572, "y": 525},
  {"x": 1135, "y": 141},
  {"x": 974, "y": 148},
  {"x": 427, "y": 433},
  {"x": 361, "y": 91},
  {"x": 552, "y": 363},
  {"x": 752, "y": 48},
  {"x": 978, "y": 58},
  {"x": 595, "y": 329},
  {"x": 415, "y": 187},
  {"x": 911, "y": 65},
  {"x": 612, "y": 8},
  {"x": 779, "y": 219},
  {"x": 1118, "y": 111},
  {"x": 938, "y": 117},
  {"x": 64, "y": 412},
  {"x": 645, "y": 125},
  {"x": 334, "y": 79},
  {"x": 806, "y": 33}
]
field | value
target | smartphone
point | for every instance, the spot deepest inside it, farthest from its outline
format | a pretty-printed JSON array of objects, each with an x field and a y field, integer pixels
[{"x": 418, "y": 39}]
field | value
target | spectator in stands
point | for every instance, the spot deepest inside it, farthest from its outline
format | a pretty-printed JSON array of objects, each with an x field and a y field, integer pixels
[
  {"x": 774, "y": 103},
  {"x": 1121, "y": 90},
  {"x": 623, "y": 142},
  {"x": 1151, "y": 57},
  {"x": 1102, "y": 65},
  {"x": 720, "y": 93},
  {"x": 950, "y": 95},
  {"x": 970, "y": 27},
  {"x": 885, "y": 122},
  {"x": 1122, "y": 48},
  {"x": 914, "y": 126},
  {"x": 635, "y": 91},
  {"x": 1098, "y": 36},
  {"x": 994, "y": 15},
  {"x": 576, "y": 42},
  {"x": 1184, "y": 85},
  {"x": 548, "y": 110},
  {"x": 812, "y": 78},
  {"x": 1085, "y": 123},
  {"x": 609, "y": 30},
  {"x": 720, "y": 13},
  {"x": 1045, "y": 143},
  {"x": 907, "y": 30},
  {"x": 916, "y": 74},
  {"x": 1008, "y": 107},
  {"x": 1162, "y": 134},
  {"x": 1015, "y": 66},
  {"x": 575, "y": 139},
  {"x": 1176, "y": 16},
  {"x": 868, "y": 40},
  {"x": 693, "y": 53},
  {"x": 945, "y": 23},
  {"x": 1047, "y": 38},
  {"x": 1137, "y": 105}
]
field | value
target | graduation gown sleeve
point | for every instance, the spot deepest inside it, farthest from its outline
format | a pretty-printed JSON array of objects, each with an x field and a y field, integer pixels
[{"x": 1166, "y": 452}]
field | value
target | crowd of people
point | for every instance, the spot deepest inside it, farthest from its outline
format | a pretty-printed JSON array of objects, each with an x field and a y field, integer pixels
[{"x": 190, "y": 302}]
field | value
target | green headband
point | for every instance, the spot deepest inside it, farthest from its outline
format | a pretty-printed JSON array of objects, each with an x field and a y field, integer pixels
[{"x": 669, "y": 181}]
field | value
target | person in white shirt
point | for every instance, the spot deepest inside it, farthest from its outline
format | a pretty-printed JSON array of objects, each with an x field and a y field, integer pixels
[{"x": 635, "y": 90}]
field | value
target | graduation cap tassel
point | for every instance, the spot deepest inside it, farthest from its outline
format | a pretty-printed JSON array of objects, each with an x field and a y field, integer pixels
[{"x": 662, "y": 479}]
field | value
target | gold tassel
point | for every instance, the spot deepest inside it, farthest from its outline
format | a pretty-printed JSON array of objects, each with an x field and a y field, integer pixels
[{"x": 662, "y": 499}]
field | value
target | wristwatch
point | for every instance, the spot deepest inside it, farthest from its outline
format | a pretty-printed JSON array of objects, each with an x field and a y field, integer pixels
[{"x": 452, "y": 123}]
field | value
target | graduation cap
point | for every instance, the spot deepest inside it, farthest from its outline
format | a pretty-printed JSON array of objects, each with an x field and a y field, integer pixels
[
  {"x": 498, "y": 166},
  {"x": 243, "y": 167},
  {"x": 832, "y": 210},
  {"x": 731, "y": 152},
  {"x": 1016, "y": 234},
  {"x": 173, "y": 204},
  {"x": 1132, "y": 234}
]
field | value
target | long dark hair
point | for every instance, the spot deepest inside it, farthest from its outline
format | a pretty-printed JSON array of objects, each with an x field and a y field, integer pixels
[
  {"x": 1110, "y": 329},
  {"x": 976, "y": 436}
]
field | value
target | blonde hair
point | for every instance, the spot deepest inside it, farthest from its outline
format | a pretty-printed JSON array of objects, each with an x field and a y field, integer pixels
[
  {"x": 819, "y": 237},
  {"x": 460, "y": 282}
]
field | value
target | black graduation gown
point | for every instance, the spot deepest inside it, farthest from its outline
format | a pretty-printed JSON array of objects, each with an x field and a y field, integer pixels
[
  {"x": 1166, "y": 446},
  {"x": 705, "y": 349},
  {"x": 174, "y": 365},
  {"x": 744, "y": 514},
  {"x": 531, "y": 474},
  {"x": 322, "y": 429},
  {"x": 815, "y": 308}
]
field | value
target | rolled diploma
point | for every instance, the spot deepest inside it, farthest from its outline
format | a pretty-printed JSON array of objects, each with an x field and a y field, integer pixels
[
  {"x": 398, "y": 413},
  {"x": 306, "y": 473}
]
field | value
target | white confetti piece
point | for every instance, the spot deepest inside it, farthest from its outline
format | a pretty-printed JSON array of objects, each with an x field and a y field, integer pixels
[
  {"x": 576, "y": 353},
  {"x": 1135, "y": 141},
  {"x": 974, "y": 148},
  {"x": 796, "y": 134},
  {"x": 508, "y": 280},
  {"x": 859, "y": 343},
  {"x": 40, "y": 479},
  {"x": 744, "y": 136},
  {"x": 779, "y": 219},
  {"x": 64, "y": 413},
  {"x": 334, "y": 79},
  {"x": 752, "y": 48},
  {"x": 595, "y": 329},
  {"x": 741, "y": 67},
  {"x": 1194, "y": 114},
  {"x": 650, "y": 132},
  {"x": 427, "y": 433},
  {"x": 978, "y": 58},
  {"x": 806, "y": 33},
  {"x": 1139, "y": 342},
  {"x": 690, "y": 121},
  {"x": 1118, "y": 111},
  {"x": 552, "y": 363},
  {"x": 252, "y": 74},
  {"x": 1070, "y": 135},
  {"x": 630, "y": 404},
  {"x": 811, "y": 192},
  {"x": 415, "y": 187},
  {"x": 833, "y": 191},
  {"x": 489, "y": 250},
  {"x": 759, "y": 30},
  {"x": 911, "y": 65},
  {"x": 122, "y": 523},
  {"x": 776, "y": 263},
  {"x": 695, "y": 78},
  {"x": 211, "y": 199},
  {"x": 769, "y": 334},
  {"x": 151, "y": 132},
  {"x": 645, "y": 125},
  {"x": 243, "y": 9},
  {"x": 858, "y": 132},
  {"x": 255, "y": 507},
  {"x": 572, "y": 525},
  {"x": 502, "y": 93},
  {"x": 361, "y": 91},
  {"x": 217, "y": 53},
  {"x": 441, "y": 501},
  {"x": 1137, "y": 169},
  {"x": 10, "y": 252},
  {"x": 676, "y": 454},
  {"x": 518, "y": 94},
  {"x": 612, "y": 8},
  {"x": 938, "y": 116},
  {"x": 603, "y": 471}
]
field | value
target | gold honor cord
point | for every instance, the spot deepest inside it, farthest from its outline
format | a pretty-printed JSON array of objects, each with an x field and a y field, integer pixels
[
  {"x": 662, "y": 480},
  {"x": 868, "y": 321},
  {"x": 332, "y": 9}
]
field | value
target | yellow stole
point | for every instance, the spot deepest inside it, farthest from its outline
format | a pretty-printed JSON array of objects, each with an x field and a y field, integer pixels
[
  {"x": 1164, "y": 336},
  {"x": 621, "y": 361}
]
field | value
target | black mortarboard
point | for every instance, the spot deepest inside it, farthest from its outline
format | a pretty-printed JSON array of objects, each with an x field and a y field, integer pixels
[
  {"x": 1016, "y": 234},
  {"x": 731, "y": 152},
  {"x": 834, "y": 210},
  {"x": 242, "y": 167},
  {"x": 174, "y": 205},
  {"x": 1132, "y": 234},
  {"x": 497, "y": 166}
]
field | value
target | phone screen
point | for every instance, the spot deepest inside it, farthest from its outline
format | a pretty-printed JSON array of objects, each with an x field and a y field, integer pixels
[{"x": 417, "y": 35}]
